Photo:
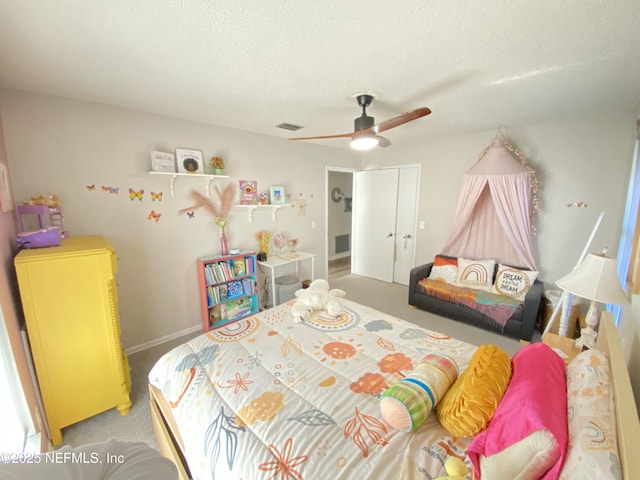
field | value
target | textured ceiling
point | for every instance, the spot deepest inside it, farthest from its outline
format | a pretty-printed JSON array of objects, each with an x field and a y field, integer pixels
[{"x": 254, "y": 64}]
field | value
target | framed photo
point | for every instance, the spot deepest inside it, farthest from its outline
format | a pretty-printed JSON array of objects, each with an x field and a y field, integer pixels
[
  {"x": 163, "y": 161},
  {"x": 189, "y": 161},
  {"x": 248, "y": 192},
  {"x": 6, "y": 197},
  {"x": 276, "y": 195}
]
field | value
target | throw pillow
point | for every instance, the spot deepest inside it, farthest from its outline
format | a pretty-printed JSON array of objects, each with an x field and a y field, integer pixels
[
  {"x": 476, "y": 273},
  {"x": 467, "y": 407},
  {"x": 513, "y": 282},
  {"x": 535, "y": 401},
  {"x": 444, "y": 269},
  {"x": 593, "y": 446},
  {"x": 407, "y": 404}
]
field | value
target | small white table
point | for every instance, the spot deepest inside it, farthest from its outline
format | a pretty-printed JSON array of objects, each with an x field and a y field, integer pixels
[{"x": 275, "y": 261}]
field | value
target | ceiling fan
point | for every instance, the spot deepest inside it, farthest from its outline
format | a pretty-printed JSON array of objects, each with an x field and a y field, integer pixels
[{"x": 365, "y": 135}]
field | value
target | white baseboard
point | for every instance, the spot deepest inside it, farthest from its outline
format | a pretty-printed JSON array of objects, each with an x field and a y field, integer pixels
[
  {"x": 340, "y": 255},
  {"x": 161, "y": 340}
]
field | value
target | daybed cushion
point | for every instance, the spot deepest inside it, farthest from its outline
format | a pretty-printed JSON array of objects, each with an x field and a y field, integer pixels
[
  {"x": 535, "y": 401},
  {"x": 467, "y": 407},
  {"x": 444, "y": 269},
  {"x": 513, "y": 282},
  {"x": 593, "y": 449},
  {"x": 475, "y": 273},
  {"x": 407, "y": 404}
]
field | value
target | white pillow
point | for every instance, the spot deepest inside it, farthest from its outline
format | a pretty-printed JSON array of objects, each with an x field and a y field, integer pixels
[
  {"x": 444, "y": 269},
  {"x": 475, "y": 273},
  {"x": 527, "y": 459},
  {"x": 513, "y": 282}
]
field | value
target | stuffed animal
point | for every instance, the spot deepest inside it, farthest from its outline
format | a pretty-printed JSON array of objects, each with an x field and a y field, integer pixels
[
  {"x": 317, "y": 296},
  {"x": 456, "y": 469}
]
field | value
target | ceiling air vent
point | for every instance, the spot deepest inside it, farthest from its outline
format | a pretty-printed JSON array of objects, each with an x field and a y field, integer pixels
[{"x": 289, "y": 126}]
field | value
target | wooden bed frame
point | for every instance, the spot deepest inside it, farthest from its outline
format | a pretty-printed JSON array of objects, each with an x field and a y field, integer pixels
[{"x": 628, "y": 425}]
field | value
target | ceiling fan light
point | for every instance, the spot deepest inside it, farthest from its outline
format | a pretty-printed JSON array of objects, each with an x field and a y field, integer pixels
[{"x": 366, "y": 141}]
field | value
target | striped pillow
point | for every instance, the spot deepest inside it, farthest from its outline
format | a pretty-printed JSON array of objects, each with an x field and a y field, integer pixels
[{"x": 407, "y": 404}]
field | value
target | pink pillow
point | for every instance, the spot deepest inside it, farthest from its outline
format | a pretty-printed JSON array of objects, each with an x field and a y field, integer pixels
[{"x": 530, "y": 419}]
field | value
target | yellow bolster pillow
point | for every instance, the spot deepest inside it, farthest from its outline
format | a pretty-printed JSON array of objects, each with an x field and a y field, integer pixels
[{"x": 467, "y": 407}]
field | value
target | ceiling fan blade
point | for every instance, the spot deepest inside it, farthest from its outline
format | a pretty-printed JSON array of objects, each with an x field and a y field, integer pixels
[
  {"x": 341, "y": 135},
  {"x": 383, "y": 141},
  {"x": 399, "y": 120}
]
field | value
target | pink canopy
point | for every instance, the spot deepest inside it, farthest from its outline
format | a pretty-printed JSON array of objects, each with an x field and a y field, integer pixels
[{"x": 493, "y": 218}]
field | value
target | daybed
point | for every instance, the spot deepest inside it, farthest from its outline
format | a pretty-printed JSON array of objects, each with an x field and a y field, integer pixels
[
  {"x": 267, "y": 397},
  {"x": 520, "y": 325}
]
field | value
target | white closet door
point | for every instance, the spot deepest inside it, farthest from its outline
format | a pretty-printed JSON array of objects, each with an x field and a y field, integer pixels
[
  {"x": 406, "y": 219},
  {"x": 374, "y": 218}
]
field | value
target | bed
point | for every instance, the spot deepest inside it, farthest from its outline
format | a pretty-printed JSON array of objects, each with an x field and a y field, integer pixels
[{"x": 266, "y": 397}]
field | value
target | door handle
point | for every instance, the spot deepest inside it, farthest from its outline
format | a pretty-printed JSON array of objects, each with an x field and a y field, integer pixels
[
  {"x": 405, "y": 237},
  {"x": 390, "y": 235}
]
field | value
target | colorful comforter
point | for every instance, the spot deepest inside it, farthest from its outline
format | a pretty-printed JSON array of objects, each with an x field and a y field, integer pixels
[
  {"x": 497, "y": 308},
  {"x": 266, "y": 397}
]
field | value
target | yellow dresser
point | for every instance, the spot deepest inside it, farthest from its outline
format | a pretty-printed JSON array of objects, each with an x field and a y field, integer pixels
[{"x": 70, "y": 305}]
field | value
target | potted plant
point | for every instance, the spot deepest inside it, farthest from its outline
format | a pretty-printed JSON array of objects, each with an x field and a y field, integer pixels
[{"x": 217, "y": 163}]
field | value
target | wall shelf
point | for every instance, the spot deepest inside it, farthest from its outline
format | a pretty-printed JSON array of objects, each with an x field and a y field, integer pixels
[
  {"x": 173, "y": 176},
  {"x": 252, "y": 208}
]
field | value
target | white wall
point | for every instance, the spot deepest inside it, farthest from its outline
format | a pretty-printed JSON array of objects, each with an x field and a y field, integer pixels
[{"x": 57, "y": 146}]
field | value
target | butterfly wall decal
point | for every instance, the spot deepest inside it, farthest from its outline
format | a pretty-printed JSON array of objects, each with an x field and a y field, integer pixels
[
  {"x": 156, "y": 196},
  {"x": 154, "y": 216},
  {"x": 135, "y": 194},
  {"x": 191, "y": 215},
  {"x": 91, "y": 187}
]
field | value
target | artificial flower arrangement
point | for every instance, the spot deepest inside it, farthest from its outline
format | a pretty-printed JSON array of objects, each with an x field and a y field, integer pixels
[
  {"x": 219, "y": 212},
  {"x": 217, "y": 163}
]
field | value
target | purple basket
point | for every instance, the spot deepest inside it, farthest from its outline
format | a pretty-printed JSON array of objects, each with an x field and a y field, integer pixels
[{"x": 39, "y": 238}]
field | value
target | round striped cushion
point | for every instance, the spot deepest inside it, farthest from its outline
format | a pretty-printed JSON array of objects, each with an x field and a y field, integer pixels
[{"x": 407, "y": 404}]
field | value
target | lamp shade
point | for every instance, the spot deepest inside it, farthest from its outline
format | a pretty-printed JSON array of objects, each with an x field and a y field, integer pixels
[
  {"x": 596, "y": 279},
  {"x": 365, "y": 141}
]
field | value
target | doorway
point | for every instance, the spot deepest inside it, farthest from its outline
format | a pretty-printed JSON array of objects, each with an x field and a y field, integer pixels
[
  {"x": 383, "y": 229},
  {"x": 339, "y": 183}
]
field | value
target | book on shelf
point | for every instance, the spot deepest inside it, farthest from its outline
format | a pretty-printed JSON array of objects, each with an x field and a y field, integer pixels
[
  {"x": 222, "y": 292},
  {"x": 234, "y": 289},
  {"x": 249, "y": 286},
  {"x": 239, "y": 267},
  {"x": 238, "y": 308},
  {"x": 250, "y": 265},
  {"x": 215, "y": 314}
]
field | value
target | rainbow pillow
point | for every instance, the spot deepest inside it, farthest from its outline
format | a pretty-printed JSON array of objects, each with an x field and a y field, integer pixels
[{"x": 475, "y": 273}]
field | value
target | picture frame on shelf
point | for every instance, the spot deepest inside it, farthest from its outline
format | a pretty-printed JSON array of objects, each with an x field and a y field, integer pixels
[
  {"x": 163, "y": 161},
  {"x": 248, "y": 192},
  {"x": 6, "y": 197},
  {"x": 189, "y": 161},
  {"x": 276, "y": 195}
]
